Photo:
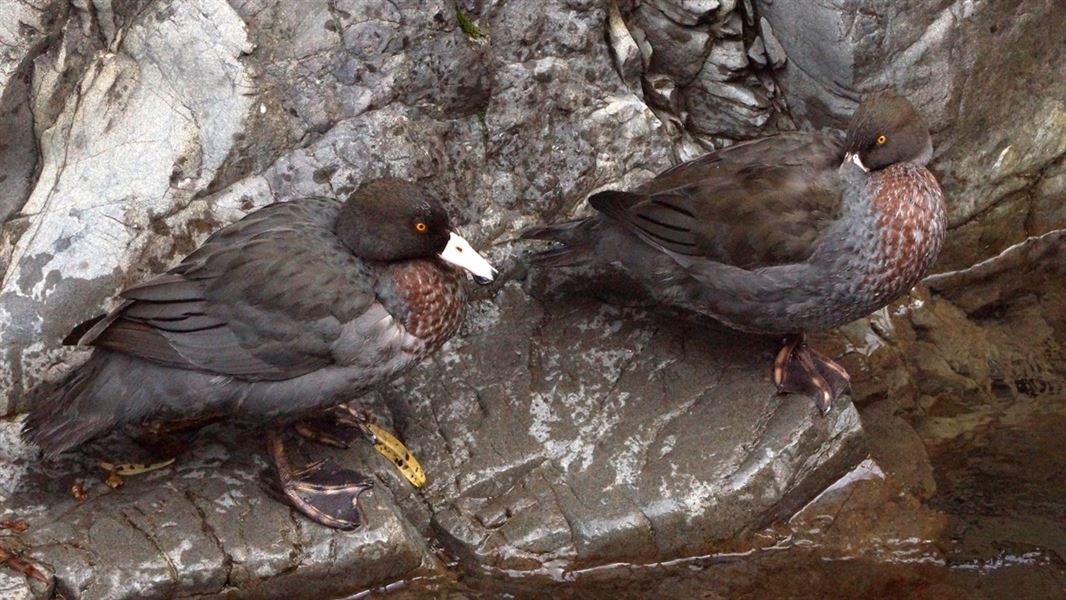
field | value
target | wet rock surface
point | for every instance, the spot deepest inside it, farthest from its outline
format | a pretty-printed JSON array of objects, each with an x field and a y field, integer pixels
[
  {"x": 204, "y": 525},
  {"x": 669, "y": 446},
  {"x": 578, "y": 433},
  {"x": 560, "y": 433}
]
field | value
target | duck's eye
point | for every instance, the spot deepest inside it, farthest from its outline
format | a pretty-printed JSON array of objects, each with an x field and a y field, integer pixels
[
  {"x": 421, "y": 227},
  {"x": 881, "y": 140}
]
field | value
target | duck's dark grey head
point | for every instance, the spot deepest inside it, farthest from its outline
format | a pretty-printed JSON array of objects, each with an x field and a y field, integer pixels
[
  {"x": 885, "y": 130},
  {"x": 391, "y": 219}
]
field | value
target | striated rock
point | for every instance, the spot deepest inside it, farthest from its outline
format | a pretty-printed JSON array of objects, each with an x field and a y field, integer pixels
[
  {"x": 201, "y": 526},
  {"x": 729, "y": 56},
  {"x": 775, "y": 53},
  {"x": 661, "y": 91},
  {"x": 628, "y": 58},
  {"x": 93, "y": 186},
  {"x": 678, "y": 51},
  {"x": 25, "y": 26},
  {"x": 757, "y": 52},
  {"x": 690, "y": 12},
  {"x": 732, "y": 109},
  {"x": 643, "y": 438}
]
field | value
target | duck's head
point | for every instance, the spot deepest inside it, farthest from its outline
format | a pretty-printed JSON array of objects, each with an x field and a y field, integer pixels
[
  {"x": 390, "y": 219},
  {"x": 885, "y": 130}
]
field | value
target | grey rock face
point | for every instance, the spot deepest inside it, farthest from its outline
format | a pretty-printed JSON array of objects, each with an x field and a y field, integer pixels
[
  {"x": 128, "y": 145},
  {"x": 203, "y": 526},
  {"x": 557, "y": 430}
]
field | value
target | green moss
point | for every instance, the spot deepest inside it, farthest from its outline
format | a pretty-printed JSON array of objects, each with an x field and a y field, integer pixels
[{"x": 468, "y": 26}]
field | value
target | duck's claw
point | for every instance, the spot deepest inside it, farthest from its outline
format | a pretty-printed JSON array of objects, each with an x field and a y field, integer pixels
[
  {"x": 798, "y": 369},
  {"x": 328, "y": 495},
  {"x": 325, "y": 493}
]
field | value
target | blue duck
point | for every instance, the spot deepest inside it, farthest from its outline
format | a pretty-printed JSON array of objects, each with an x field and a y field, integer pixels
[
  {"x": 296, "y": 308},
  {"x": 790, "y": 233}
]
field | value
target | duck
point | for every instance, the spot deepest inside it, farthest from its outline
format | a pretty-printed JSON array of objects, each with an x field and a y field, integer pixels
[
  {"x": 787, "y": 234},
  {"x": 276, "y": 319}
]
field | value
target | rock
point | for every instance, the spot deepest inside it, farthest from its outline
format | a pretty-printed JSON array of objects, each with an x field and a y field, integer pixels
[
  {"x": 691, "y": 12},
  {"x": 15, "y": 455},
  {"x": 639, "y": 442},
  {"x": 729, "y": 56},
  {"x": 93, "y": 185},
  {"x": 26, "y": 26},
  {"x": 678, "y": 51},
  {"x": 661, "y": 91},
  {"x": 757, "y": 52},
  {"x": 557, "y": 430},
  {"x": 733, "y": 109},
  {"x": 14, "y": 586},
  {"x": 202, "y": 526},
  {"x": 642, "y": 441},
  {"x": 628, "y": 59},
  {"x": 774, "y": 51}
]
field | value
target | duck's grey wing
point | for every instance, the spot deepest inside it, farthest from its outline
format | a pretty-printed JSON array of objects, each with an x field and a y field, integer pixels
[
  {"x": 759, "y": 203},
  {"x": 266, "y": 298}
]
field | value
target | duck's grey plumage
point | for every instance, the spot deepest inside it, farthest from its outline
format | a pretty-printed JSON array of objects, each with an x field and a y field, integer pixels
[
  {"x": 271, "y": 316},
  {"x": 772, "y": 235}
]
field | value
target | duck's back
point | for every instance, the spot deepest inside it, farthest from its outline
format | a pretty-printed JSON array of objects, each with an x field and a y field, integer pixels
[{"x": 758, "y": 203}]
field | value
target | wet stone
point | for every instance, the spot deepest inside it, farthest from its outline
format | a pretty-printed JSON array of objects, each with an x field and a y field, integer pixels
[
  {"x": 648, "y": 438},
  {"x": 691, "y": 12},
  {"x": 207, "y": 524}
]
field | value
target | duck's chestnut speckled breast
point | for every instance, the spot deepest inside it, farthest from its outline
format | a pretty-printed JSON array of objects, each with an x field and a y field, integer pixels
[
  {"x": 428, "y": 297},
  {"x": 910, "y": 221}
]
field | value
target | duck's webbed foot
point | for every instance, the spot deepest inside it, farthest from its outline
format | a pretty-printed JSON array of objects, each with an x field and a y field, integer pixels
[
  {"x": 799, "y": 369},
  {"x": 324, "y": 492},
  {"x": 342, "y": 425}
]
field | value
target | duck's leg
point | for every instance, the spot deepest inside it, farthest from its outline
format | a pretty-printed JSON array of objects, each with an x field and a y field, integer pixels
[
  {"x": 343, "y": 424},
  {"x": 167, "y": 439},
  {"x": 324, "y": 492},
  {"x": 798, "y": 369}
]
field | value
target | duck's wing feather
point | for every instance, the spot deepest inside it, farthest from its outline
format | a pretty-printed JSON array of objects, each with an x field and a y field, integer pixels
[
  {"x": 263, "y": 299},
  {"x": 758, "y": 203}
]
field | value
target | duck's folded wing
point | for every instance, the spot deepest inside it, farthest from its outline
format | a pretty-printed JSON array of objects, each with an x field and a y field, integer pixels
[
  {"x": 756, "y": 204},
  {"x": 265, "y": 300}
]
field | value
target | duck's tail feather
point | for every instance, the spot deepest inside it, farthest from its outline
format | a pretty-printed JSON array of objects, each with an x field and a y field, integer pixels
[
  {"x": 59, "y": 419},
  {"x": 574, "y": 237},
  {"x": 614, "y": 203}
]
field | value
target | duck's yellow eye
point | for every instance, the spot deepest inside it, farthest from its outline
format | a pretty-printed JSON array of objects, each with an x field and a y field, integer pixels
[
  {"x": 881, "y": 139},
  {"x": 420, "y": 227}
]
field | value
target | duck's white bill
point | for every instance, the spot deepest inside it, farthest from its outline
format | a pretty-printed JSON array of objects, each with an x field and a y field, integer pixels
[
  {"x": 461, "y": 254},
  {"x": 854, "y": 157}
]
